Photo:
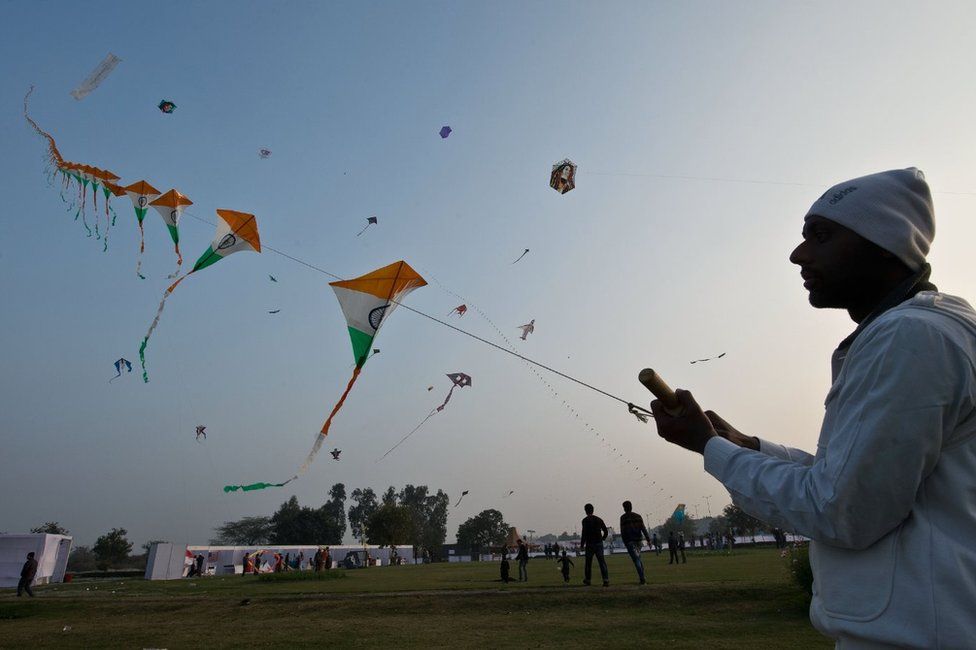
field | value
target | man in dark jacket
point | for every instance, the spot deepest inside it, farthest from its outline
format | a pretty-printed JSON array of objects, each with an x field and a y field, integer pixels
[
  {"x": 672, "y": 548},
  {"x": 27, "y": 575},
  {"x": 522, "y": 557},
  {"x": 633, "y": 531},
  {"x": 592, "y": 534}
]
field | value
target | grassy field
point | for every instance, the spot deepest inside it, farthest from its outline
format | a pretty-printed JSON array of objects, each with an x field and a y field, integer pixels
[{"x": 714, "y": 601}]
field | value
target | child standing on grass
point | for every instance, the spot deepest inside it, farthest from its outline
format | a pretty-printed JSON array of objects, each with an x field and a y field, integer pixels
[
  {"x": 565, "y": 563},
  {"x": 505, "y": 567}
]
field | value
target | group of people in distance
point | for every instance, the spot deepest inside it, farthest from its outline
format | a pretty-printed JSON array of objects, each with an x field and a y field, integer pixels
[{"x": 633, "y": 532}]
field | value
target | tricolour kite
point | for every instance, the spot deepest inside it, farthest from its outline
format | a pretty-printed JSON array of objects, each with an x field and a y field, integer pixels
[
  {"x": 366, "y": 302},
  {"x": 170, "y": 207},
  {"x": 142, "y": 194},
  {"x": 236, "y": 231}
]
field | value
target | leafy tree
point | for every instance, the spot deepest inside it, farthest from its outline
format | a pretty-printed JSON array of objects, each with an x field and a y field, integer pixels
[
  {"x": 360, "y": 513},
  {"x": 81, "y": 559},
  {"x": 742, "y": 523},
  {"x": 243, "y": 532},
  {"x": 112, "y": 548},
  {"x": 51, "y": 528},
  {"x": 390, "y": 525},
  {"x": 486, "y": 529},
  {"x": 295, "y": 524},
  {"x": 548, "y": 538},
  {"x": 429, "y": 512},
  {"x": 718, "y": 525},
  {"x": 688, "y": 526},
  {"x": 390, "y": 496},
  {"x": 565, "y": 537},
  {"x": 333, "y": 515}
]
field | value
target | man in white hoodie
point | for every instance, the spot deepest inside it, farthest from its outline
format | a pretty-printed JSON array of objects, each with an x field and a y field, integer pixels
[{"x": 889, "y": 499}]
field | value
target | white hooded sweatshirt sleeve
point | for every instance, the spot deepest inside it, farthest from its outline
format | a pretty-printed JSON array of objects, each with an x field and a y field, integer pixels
[{"x": 889, "y": 500}]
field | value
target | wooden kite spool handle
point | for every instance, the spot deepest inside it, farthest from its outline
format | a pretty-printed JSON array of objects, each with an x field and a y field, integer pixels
[{"x": 653, "y": 382}]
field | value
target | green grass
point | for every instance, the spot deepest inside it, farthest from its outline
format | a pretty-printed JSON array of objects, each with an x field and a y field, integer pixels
[
  {"x": 714, "y": 601},
  {"x": 287, "y": 576}
]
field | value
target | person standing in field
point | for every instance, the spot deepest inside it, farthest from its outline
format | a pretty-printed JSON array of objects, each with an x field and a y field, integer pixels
[
  {"x": 888, "y": 498},
  {"x": 633, "y": 531},
  {"x": 672, "y": 548},
  {"x": 656, "y": 543},
  {"x": 504, "y": 568},
  {"x": 522, "y": 557},
  {"x": 592, "y": 533},
  {"x": 27, "y": 573},
  {"x": 564, "y": 563}
]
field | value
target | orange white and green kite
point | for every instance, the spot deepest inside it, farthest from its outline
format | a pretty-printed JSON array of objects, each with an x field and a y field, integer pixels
[
  {"x": 236, "y": 231},
  {"x": 141, "y": 193},
  {"x": 366, "y": 302},
  {"x": 170, "y": 207}
]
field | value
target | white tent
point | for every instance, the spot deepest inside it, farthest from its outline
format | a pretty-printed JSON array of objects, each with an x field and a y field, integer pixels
[
  {"x": 50, "y": 551},
  {"x": 169, "y": 561}
]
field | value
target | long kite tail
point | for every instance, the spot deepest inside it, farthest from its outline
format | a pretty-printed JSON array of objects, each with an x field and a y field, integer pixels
[
  {"x": 142, "y": 247},
  {"x": 320, "y": 438},
  {"x": 152, "y": 327},
  {"x": 179, "y": 262}
]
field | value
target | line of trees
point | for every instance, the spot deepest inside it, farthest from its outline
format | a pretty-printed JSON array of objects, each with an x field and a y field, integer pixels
[{"x": 414, "y": 516}]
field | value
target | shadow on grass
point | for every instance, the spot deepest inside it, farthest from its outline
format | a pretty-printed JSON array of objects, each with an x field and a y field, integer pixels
[{"x": 297, "y": 576}]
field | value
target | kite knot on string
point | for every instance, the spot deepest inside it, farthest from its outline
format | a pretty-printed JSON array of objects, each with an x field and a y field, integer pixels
[{"x": 632, "y": 409}]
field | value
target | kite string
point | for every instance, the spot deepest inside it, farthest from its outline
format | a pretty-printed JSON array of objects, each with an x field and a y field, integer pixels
[{"x": 446, "y": 324}]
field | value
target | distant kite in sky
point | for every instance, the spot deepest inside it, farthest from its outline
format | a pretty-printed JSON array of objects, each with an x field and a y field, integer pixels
[
  {"x": 96, "y": 77},
  {"x": 445, "y": 131},
  {"x": 509, "y": 494},
  {"x": 274, "y": 311},
  {"x": 461, "y": 497},
  {"x": 170, "y": 207},
  {"x": 430, "y": 388},
  {"x": 335, "y": 453},
  {"x": 458, "y": 380},
  {"x": 167, "y": 106},
  {"x": 370, "y": 221},
  {"x": 142, "y": 194},
  {"x": 264, "y": 153},
  {"x": 121, "y": 363},
  {"x": 236, "y": 231},
  {"x": 201, "y": 432},
  {"x": 708, "y": 359},
  {"x": 460, "y": 310},
  {"x": 527, "y": 329},
  {"x": 679, "y": 513},
  {"x": 273, "y": 278},
  {"x": 522, "y": 255},
  {"x": 563, "y": 177}
]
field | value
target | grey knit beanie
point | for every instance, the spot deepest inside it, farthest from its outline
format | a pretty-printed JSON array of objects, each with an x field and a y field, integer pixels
[{"x": 892, "y": 209}]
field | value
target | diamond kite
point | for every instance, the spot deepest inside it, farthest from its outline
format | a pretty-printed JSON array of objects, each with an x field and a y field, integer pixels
[
  {"x": 264, "y": 153},
  {"x": 445, "y": 131},
  {"x": 461, "y": 497},
  {"x": 370, "y": 221},
  {"x": 460, "y": 310},
  {"x": 236, "y": 231},
  {"x": 170, "y": 207},
  {"x": 167, "y": 106},
  {"x": 458, "y": 380},
  {"x": 142, "y": 194},
  {"x": 366, "y": 302},
  {"x": 563, "y": 177},
  {"x": 201, "y": 432},
  {"x": 121, "y": 363}
]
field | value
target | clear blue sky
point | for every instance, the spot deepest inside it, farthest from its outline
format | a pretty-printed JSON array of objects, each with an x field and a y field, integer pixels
[{"x": 626, "y": 271}]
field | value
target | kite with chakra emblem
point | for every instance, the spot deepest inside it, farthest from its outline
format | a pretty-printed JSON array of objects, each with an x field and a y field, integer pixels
[
  {"x": 236, "y": 231},
  {"x": 366, "y": 302},
  {"x": 141, "y": 193},
  {"x": 170, "y": 207}
]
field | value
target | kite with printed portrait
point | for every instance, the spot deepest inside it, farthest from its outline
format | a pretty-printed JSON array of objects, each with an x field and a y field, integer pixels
[
  {"x": 166, "y": 106},
  {"x": 563, "y": 176}
]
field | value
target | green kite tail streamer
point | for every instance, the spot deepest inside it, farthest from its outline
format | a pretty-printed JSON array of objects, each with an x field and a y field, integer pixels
[
  {"x": 113, "y": 215},
  {"x": 256, "y": 486},
  {"x": 84, "y": 221},
  {"x": 152, "y": 328},
  {"x": 142, "y": 247}
]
